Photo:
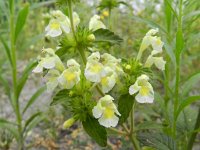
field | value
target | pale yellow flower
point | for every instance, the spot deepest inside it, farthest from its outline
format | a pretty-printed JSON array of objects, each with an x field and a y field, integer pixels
[
  {"x": 108, "y": 82},
  {"x": 144, "y": 90},
  {"x": 70, "y": 76},
  {"x": 106, "y": 112},
  {"x": 158, "y": 61},
  {"x": 50, "y": 61}
]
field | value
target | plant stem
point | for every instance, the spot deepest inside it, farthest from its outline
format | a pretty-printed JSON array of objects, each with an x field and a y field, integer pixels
[
  {"x": 14, "y": 74},
  {"x": 81, "y": 50},
  {"x": 70, "y": 11},
  {"x": 178, "y": 56},
  {"x": 132, "y": 138},
  {"x": 109, "y": 18},
  {"x": 117, "y": 131},
  {"x": 132, "y": 127}
]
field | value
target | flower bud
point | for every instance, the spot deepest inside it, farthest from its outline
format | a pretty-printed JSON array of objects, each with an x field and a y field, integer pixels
[
  {"x": 71, "y": 93},
  {"x": 68, "y": 123},
  {"x": 91, "y": 37},
  {"x": 128, "y": 67},
  {"x": 106, "y": 13}
]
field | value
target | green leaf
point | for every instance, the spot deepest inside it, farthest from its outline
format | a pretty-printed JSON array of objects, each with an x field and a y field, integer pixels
[
  {"x": 11, "y": 5},
  {"x": 105, "y": 35},
  {"x": 169, "y": 51},
  {"x": 190, "y": 82},
  {"x": 12, "y": 127},
  {"x": 7, "y": 50},
  {"x": 34, "y": 98},
  {"x": 62, "y": 51},
  {"x": 33, "y": 121},
  {"x": 179, "y": 42},
  {"x": 60, "y": 97},
  {"x": 149, "y": 125},
  {"x": 194, "y": 134},
  {"x": 42, "y": 4},
  {"x": 125, "y": 104},
  {"x": 95, "y": 131},
  {"x": 169, "y": 8},
  {"x": 5, "y": 84},
  {"x": 185, "y": 103},
  {"x": 158, "y": 141},
  {"x": 168, "y": 13},
  {"x": 24, "y": 77},
  {"x": 21, "y": 20}
]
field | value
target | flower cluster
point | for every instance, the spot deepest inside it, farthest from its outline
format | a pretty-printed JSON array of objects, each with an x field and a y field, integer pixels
[
  {"x": 142, "y": 85},
  {"x": 103, "y": 71},
  {"x": 57, "y": 73},
  {"x": 60, "y": 23}
]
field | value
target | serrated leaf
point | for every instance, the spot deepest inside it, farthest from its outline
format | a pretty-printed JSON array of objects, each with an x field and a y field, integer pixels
[
  {"x": 21, "y": 20},
  {"x": 95, "y": 131},
  {"x": 157, "y": 140},
  {"x": 105, "y": 35},
  {"x": 60, "y": 97},
  {"x": 125, "y": 104}
]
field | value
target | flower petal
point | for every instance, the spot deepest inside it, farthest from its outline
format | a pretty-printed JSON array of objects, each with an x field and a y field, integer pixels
[
  {"x": 38, "y": 69},
  {"x": 134, "y": 88},
  {"x": 95, "y": 23},
  {"x": 109, "y": 122}
]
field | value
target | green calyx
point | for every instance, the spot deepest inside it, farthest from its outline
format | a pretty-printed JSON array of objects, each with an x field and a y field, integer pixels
[{"x": 82, "y": 107}]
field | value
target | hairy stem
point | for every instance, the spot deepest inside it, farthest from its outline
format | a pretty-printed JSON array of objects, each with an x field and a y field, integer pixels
[{"x": 132, "y": 138}]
